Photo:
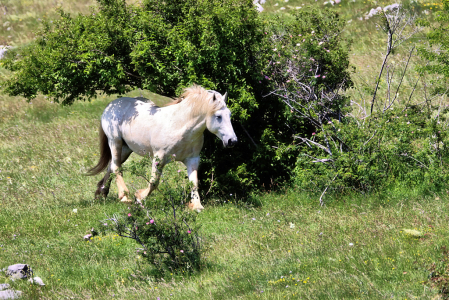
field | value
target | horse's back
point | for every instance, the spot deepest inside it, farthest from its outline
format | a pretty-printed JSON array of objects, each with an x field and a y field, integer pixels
[{"x": 123, "y": 110}]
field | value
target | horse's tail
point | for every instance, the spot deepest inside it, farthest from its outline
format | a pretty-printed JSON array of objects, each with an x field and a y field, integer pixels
[{"x": 105, "y": 154}]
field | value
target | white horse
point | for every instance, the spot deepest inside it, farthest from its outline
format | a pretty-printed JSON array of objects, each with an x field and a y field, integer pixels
[{"x": 174, "y": 131}]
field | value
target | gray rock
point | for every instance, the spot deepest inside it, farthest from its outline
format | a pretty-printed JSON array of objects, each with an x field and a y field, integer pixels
[
  {"x": 10, "y": 294},
  {"x": 4, "y": 286},
  {"x": 36, "y": 280},
  {"x": 19, "y": 271}
]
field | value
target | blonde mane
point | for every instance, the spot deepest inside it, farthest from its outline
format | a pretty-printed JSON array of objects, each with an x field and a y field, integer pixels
[{"x": 198, "y": 98}]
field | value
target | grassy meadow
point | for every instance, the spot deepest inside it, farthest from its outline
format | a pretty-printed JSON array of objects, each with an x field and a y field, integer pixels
[{"x": 283, "y": 246}]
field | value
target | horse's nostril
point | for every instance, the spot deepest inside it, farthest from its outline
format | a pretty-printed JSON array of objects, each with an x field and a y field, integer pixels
[{"x": 232, "y": 142}]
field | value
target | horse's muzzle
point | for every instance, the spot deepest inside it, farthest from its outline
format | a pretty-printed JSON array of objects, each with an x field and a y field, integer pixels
[{"x": 232, "y": 142}]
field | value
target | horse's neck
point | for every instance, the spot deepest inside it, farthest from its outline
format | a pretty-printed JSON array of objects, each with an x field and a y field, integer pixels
[{"x": 194, "y": 123}]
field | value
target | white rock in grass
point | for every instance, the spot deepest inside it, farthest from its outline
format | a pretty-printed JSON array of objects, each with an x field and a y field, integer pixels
[
  {"x": 412, "y": 232},
  {"x": 258, "y": 7},
  {"x": 392, "y": 7},
  {"x": 3, "y": 50},
  {"x": 4, "y": 286},
  {"x": 36, "y": 280},
  {"x": 10, "y": 294},
  {"x": 19, "y": 271}
]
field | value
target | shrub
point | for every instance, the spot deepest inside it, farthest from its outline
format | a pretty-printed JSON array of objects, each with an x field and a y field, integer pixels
[
  {"x": 391, "y": 145},
  {"x": 162, "y": 225}
]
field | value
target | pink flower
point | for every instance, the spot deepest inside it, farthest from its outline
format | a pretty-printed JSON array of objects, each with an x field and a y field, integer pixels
[
  {"x": 148, "y": 223},
  {"x": 129, "y": 215},
  {"x": 179, "y": 171},
  {"x": 313, "y": 133},
  {"x": 182, "y": 251},
  {"x": 151, "y": 221},
  {"x": 316, "y": 76},
  {"x": 324, "y": 76},
  {"x": 188, "y": 231}
]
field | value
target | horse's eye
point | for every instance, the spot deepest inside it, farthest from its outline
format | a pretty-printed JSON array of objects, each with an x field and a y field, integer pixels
[{"x": 218, "y": 117}]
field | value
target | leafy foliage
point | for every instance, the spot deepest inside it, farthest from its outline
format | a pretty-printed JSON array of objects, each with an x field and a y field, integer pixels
[
  {"x": 436, "y": 53},
  {"x": 395, "y": 150},
  {"x": 225, "y": 45}
]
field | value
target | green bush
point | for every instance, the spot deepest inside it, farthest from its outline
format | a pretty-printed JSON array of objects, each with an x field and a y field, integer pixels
[
  {"x": 165, "y": 46},
  {"x": 398, "y": 149}
]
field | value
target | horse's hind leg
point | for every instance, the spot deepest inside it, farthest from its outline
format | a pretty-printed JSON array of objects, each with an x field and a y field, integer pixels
[
  {"x": 104, "y": 184},
  {"x": 156, "y": 171}
]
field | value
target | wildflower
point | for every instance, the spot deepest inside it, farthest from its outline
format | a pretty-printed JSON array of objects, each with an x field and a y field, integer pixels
[
  {"x": 151, "y": 221},
  {"x": 182, "y": 251},
  {"x": 189, "y": 232},
  {"x": 75, "y": 210},
  {"x": 313, "y": 133},
  {"x": 105, "y": 224},
  {"x": 317, "y": 76},
  {"x": 351, "y": 244},
  {"x": 179, "y": 171},
  {"x": 148, "y": 223},
  {"x": 292, "y": 226},
  {"x": 129, "y": 215}
]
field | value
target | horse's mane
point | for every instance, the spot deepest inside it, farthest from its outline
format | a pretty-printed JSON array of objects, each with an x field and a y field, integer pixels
[{"x": 198, "y": 98}]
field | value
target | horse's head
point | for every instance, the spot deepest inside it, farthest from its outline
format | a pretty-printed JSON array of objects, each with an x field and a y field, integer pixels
[{"x": 219, "y": 122}]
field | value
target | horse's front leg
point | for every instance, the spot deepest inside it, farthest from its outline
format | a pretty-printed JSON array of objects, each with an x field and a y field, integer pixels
[
  {"x": 192, "y": 171},
  {"x": 116, "y": 162},
  {"x": 156, "y": 171}
]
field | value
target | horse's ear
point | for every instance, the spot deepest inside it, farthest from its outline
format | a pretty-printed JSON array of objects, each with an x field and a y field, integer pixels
[{"x": 225, "y": 97}]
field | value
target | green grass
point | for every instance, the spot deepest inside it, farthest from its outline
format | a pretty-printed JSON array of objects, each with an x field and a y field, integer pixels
[
  {"x": 285, "y": 247},
  {"x": 252, "y": 252}
]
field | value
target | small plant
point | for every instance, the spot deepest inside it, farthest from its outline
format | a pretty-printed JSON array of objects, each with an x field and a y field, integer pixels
[
  {"x": 162, "y": 225},
  {"x": 439, "y": 274}
]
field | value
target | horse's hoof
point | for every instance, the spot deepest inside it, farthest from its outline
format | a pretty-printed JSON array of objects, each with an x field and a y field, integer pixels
[
  {"x": 126, "y": 200},
  {"x": 195, "y": 206},
  {"x": 139, "y": 194}
]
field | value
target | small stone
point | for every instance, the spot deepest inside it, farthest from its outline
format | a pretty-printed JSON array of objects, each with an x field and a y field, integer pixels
[
  {"x": 10, "y": 294},
  {"x": 4, "y": 286},
  {"x": 19, "y": 271},
  {"x": 36, "y": 280}
]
